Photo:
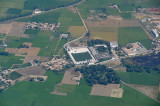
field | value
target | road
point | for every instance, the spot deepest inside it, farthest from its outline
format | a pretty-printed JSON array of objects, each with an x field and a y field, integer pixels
[{"x": 73, "y": 5}]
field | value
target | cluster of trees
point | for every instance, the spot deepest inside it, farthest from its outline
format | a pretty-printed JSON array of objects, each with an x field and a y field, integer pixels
[
  {"x": 101, "y": 49},
  {"x": 99, "y": 74},
  {"x": 15, "y": 16},
  {"x": 23, "y": 46},
  {"x": 143, "y": 63},
  {"x": 98, "y": 41},
  {"x": 139, "y": 69},
  {"x": 4, "y": 53}
]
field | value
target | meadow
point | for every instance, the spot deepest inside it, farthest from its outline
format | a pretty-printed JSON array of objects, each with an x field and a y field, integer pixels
[
  {"x": 38, "y": 94},
  {"x": 133, "y": 34},
  {"x": 76, "y": 31}
]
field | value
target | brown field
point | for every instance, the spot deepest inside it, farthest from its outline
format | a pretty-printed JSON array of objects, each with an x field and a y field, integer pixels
[
  {"x": 76, "y": 31},
  {"x": 111, "y": 90},
  {"x": 5, "y": 28},
  {"x": 36, "y": 70},
  {"x": 151, "y": 91},
  {"x": 67, "y": 77},
  {"x": 17, "y": 29},
  {"x": 113, "y": 23},
  {"x": 31, "y": 52},
  {"x": 105, "y": 33}
]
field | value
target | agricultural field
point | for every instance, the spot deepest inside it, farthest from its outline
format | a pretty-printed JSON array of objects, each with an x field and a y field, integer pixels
[
  {"x": 76, "y": 31},
  {"x": 26, "y": 93},
  {"x": 104, "y": 33},
  {"x": 8, "y": 61},
  {"x": 133, "y": 34},
  {"x": 124, "y": 5},
  {"x": 14, "y": 8},
  {"x": 149, "y": 79}
]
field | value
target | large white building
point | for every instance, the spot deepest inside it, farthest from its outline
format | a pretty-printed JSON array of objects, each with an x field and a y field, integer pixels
[{"x": 155, "y": 32}]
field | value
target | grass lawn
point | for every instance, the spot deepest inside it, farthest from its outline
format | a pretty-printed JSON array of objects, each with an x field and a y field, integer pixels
[
  {"x": 150, "y": 79},
  {"x": 38, "y": 94},
  {"x": 133, "y": 34},
  {"x": 81, "y": 56},
  {"x": 14, "y": 11}
]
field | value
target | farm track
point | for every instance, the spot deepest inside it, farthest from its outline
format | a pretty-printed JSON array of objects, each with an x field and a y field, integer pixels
[{"x": 72, "y": 5}]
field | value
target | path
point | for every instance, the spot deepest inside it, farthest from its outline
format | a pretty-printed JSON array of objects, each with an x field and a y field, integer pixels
[{"x": 57, "y": 45}]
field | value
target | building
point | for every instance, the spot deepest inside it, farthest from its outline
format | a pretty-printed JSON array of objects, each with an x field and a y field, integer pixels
[
  {"x": 155, "y": 32},
  {"x": 114, "y": 44},
  {"x": 133, "y": 49},
  {"x": 63, "y": 35},
  {"x": 37, "y": 11}
]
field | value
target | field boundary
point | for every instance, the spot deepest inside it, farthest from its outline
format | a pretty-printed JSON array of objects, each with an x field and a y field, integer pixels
[{"x": 139, "y": 91}]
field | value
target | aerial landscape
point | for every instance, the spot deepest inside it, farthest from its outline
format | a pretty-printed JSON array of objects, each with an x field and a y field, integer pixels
[{"x": 79, "y": 52}]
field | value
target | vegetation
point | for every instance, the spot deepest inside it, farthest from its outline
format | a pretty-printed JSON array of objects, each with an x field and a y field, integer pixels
[
  {"x": 14, "y": 11},
  {"x": 101, "y": 49},
  {"x": 26, "y": 93},
  {"x": 99, "y": 74},
  {"x": 98, "y": 41},
  {"x": 4, "y": 53},
  {"x": 133, "y": 34},
  {"x": 14, "y": 75},
  {"x": 81, "y": 56},
  {"x": 48, "y": 4},
  {"x": 66, "y": 88}
]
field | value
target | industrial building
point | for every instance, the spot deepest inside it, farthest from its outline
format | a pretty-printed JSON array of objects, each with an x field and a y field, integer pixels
[{"x": 155, "y": 33}]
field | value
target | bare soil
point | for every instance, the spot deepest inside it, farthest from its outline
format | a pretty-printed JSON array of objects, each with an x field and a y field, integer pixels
[
  {"x": 103, "y": 90},
  {"x": 36, "y": 70},
  {"x": 17, "y": 29},
  {"x": 68, "y": 76},
  {"x": 151, "y": 91}
]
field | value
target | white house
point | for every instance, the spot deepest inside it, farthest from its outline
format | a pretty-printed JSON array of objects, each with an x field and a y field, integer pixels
[{"x": 155, "y": 32}]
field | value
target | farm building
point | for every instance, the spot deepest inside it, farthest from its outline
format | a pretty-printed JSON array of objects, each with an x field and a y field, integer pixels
[
  {"x": 133, "y": 49},
  {"x": 114, "y": 44},
  {"x": 155, "y": 32},
  {"x": 37, "y": 11},
  {"x": 63, "y": 35}
]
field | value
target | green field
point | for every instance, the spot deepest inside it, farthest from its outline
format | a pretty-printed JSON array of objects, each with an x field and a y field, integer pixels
[
  {"x": 124, "y": 5},
  {"x": 81, "y": 56},
  {"x": 8, "y": 61},
  {"x": 133, "y": 34},
  {"x": 38, "y": 94},
  {"x": 150, "y": 79},
  {"x": 66, "y": 88},
  {"x": 47, "y": 4},
  {"x": 14, "y": 75}
]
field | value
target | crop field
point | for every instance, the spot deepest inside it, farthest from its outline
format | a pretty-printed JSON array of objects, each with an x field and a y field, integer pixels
[
  {"x": 105, "y": 33},
  {"x": 67, "y": 19},
  {"x": 76, "y": 31},
  {"x": 81, "y": 56},
  {"x": 38, "y": 93},
  {"x": 150, "y": 79},
  {"x": 47, "y": 4},
  {"x": 133, "y": 34},
  {"x": 124, "y": 5},
  {"x": 2, "y": 36},
  {"x": 8, "y": 61}
]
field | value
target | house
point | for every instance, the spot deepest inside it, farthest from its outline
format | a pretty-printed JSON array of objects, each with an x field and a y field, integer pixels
[
  {"x": 63, "y": 35},
  {"x": 114, "y": 44},
  {"x": 155, "y": 32},
  {"x": 37, "y": 11}
]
